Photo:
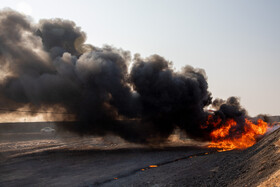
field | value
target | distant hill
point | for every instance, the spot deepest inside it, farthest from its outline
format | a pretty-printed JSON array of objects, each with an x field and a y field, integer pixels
[
  {"x": 274, "y": 118},
  {"x": 267, "y": 118}
]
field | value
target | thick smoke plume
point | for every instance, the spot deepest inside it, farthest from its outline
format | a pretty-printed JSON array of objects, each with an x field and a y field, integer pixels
[{"x": 48, "y": 65}]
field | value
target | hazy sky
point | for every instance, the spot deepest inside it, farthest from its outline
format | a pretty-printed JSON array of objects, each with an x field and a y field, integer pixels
[{"x": 237, "y": 42}]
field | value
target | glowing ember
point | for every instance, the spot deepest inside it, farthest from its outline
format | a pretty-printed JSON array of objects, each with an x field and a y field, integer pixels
[
  {"x": 228, "y": 135},
  {"x": 153, "y": 166}
]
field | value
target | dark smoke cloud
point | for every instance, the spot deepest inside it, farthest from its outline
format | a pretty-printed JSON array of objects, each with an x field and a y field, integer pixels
[
  {"x": 48, "y": 64},
  {"x": 169, "y": 98},
  {"x": 61, "y": 36},
  {"x": 216, "y": 104},
  {"x": 229, "y": 108}
]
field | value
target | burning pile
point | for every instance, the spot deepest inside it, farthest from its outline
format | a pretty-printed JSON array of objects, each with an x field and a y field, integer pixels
[
  {"x": 229, "y": 126},
  {"x": 228, "y": 135},
  {"x": 48, "y": 65}
]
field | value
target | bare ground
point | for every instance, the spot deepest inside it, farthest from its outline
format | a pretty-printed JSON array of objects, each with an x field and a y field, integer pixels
[{"x": 35, "y": 159}]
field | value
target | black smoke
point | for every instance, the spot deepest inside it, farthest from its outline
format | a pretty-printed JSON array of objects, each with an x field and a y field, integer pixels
[{"x": 48, "y": 64}]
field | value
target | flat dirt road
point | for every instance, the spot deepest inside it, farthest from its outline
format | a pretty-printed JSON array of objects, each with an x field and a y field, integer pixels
[{"x": 37, "y": 159}]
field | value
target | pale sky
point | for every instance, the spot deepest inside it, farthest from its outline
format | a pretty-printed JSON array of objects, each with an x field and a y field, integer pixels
[{"x": 237, "y": 42}]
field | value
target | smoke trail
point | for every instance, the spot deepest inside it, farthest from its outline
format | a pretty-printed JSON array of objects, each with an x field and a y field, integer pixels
[{"x": 49, "y": 65}]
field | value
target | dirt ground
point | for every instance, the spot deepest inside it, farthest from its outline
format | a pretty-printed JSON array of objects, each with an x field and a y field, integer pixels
[{"x": 32, "y": 158}]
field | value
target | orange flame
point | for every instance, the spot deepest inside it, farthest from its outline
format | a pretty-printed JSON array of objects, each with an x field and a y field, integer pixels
[
  {"x": 153, "y": 166},
  {"x": 226, "y": 137}
]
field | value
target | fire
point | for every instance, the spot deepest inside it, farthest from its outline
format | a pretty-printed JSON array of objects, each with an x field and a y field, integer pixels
[
  {"x": 153, "y": 166},
  {"x": 229, "y": 135}
]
